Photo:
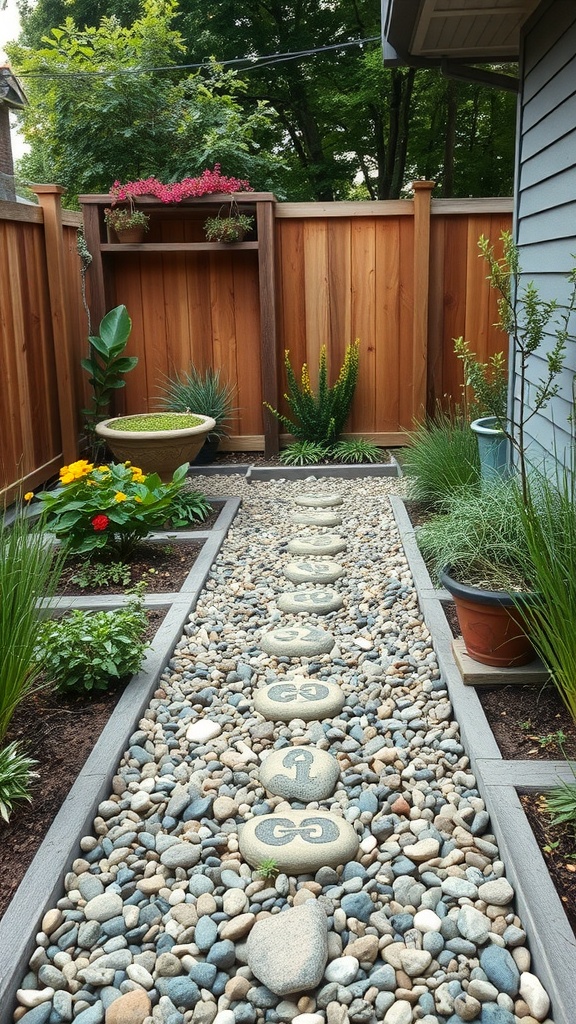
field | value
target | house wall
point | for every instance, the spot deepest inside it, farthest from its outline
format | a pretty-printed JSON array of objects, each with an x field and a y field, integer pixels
[{"x": 545, "y": 205}]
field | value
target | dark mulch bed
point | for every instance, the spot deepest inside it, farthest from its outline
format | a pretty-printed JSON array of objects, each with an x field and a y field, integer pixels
[
  {"x": 558, "y": 846},
  {"x": 259, "y": 459},
  {"x": 59, "y": 732},
  {"x": 162, "y": 566}
]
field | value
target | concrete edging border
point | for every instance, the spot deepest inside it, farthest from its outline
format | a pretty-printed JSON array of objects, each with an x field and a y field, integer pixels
[
  {"x": 346, "y": 472},
  {"x": 551, "y": 938},
  {"x": 44, "y": 878}
]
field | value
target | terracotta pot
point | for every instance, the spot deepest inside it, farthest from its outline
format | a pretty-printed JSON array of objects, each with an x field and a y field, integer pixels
[
  {"x": 493, "y": 630},
  {"x": 131, "y": 236},
  {"x": 156, "y": 451}
]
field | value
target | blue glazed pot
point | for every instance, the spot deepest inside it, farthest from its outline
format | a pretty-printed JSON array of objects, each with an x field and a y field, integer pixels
[{"x": 493, "y": 449}]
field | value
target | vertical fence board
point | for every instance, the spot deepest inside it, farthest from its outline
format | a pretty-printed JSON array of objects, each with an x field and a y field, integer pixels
[{"x": 364, "y": 321}]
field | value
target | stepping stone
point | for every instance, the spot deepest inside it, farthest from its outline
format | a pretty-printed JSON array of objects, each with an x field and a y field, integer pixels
[
  {"x": 323, "y": 500},
  {"x": 301, "y": 571},
  {"x": 319, "y": 601},
  {"x": 298, "y": 697},
  {"x": 300, "y": 842},
  {"x": 288, "y": 952},
  {"x": 315, "y": 518},
  {"x": 297, "y": 641},
  {"x": 322, "y": 544},
  {"x": 300, "y": 773}
]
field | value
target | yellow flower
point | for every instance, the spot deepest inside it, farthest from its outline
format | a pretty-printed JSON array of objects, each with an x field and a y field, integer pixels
[
  {"x": 137, "y": 498},
  {"x": 29, "y": 495},
  {"x": 75, "y": 471},
  {"x": 137, "y": 475},
  {"x": 103, "y": 469},
  {"x": 119, "y": 496},
  {"x": 66, "y": 478}
]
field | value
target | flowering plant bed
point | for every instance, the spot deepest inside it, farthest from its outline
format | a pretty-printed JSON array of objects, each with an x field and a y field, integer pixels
[{"x": 208, "y": 183}]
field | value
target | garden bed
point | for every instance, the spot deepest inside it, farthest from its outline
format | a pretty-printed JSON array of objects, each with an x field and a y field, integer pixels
[
  {"x": 512, "y": 789},
  {"x": 162, "y": 566}
]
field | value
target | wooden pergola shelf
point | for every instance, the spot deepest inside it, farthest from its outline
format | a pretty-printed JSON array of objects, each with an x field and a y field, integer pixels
[{"x": 176, "y": 246}]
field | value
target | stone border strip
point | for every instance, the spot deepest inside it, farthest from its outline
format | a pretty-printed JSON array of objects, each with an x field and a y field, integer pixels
[
  {"x": 43, "y": 879},
  {"x": 347, "y": 472},
  {"x": 550, "y": 936}
]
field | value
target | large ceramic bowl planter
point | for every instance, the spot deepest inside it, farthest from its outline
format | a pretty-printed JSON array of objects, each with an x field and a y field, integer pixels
[
  {"x": 154, "y": 450},
  {"x": 492, "y": 448},
  {"x": 492, "y": 627}
]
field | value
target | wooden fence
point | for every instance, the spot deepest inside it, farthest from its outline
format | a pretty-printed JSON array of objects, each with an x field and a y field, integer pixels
[{"x": 402, "y": 276}]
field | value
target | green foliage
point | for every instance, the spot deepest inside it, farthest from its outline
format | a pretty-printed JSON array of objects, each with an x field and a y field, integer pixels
[
  {"x": 356, "y": 449},
  {"x": 228, "y": 229},
  {"x": 101, "y": 574},
  {"x": 320, "y": 417},
  {"x": 304, "y": 453},
  {"x": 150, "y": 422},
  {"x": 549, "y": 524},
  {"x": 106, "y": 363},
  {"x": 527, "y": 319},
  {"x": 188, "y": 507},
  {"x": 93, "y": 650},
  {"x": 203, "y": 393},
  {"x": 15, "y": 777},
  {"x": 481, "y": 537},
  {"x": 111, "y": 506},
  {"x": 29, "y": 571},
  {"x": 489, "y": 381},
  {"x": 99, "y": 111},
  {"x": 122, "y": 218},
  {"x": 561, "y": 804},
  {"x": 441, "y": 459}
]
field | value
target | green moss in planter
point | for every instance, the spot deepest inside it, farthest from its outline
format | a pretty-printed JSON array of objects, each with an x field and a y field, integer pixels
[{"x": 155, "y": 421}]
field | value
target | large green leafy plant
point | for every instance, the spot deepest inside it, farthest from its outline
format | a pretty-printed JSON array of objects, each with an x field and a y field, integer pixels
[
  {"x": 107, "y": 363},
  {"x": 111, "y": 506}
]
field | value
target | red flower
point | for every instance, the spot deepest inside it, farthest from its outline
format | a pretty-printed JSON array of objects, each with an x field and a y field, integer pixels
[{"x": 100, "y": 522}]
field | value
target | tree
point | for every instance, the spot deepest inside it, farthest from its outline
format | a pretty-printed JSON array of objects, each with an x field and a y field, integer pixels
[{"x": 99, "y": 112}]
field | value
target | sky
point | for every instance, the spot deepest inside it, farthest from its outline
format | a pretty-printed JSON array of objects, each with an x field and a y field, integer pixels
[{"x": 9, "y": 29}]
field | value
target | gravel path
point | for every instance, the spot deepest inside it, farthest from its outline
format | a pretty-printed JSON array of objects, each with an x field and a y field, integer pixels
[{"x": 383, "y": 898}]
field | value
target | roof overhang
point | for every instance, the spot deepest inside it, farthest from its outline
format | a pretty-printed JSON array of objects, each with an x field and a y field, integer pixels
[
  {"x": 424, "y": 33},
  {"x": 11, "y": 92}
]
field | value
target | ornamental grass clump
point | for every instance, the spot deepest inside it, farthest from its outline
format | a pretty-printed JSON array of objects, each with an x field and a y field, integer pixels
[
  {"x": 112, "y": 506},
  {"x": 204, "y": 393},
  {"x": 441, "y": 459},
  {"x": 320, "y": 417}
]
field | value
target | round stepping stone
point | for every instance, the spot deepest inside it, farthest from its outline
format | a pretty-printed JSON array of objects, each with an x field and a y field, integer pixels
[
  {"x": 300, "y": 842},
  {"x": 300, "y": 773},
  {"x": 313, "y": 572},
  {"x": 315, "y": 518},
  {"x": 297, "y": 641},
  {"x": 298, "y": 697},
  {"x": 319, "y": 601},
  {"x": 322, "y": 500},
  {"x": 322, "y": 544}
]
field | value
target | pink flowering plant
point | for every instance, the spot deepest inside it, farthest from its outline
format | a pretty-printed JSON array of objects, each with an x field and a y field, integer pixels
[
  {"x": 112, "y": 506},
  {"x": 208, "y": 183}
]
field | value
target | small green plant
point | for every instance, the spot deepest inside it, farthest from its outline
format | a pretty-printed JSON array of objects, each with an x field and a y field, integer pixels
[
  {"x": 107, "y": 364},
  {"x": 441, "y": 459},
  {"x": 356, "y": 449},
  {"x": 29, "y": 571},
  {"x": 304, "y": 453},
  {"x": 481, "y": 538},
  {"x": 15, "y": 777},
  {"x": 188, "y": 507},
  {"x": 93, "y": 650},
  {"x": 123, "y": 218},
  {"x": 488, "y": 381},
  {"x": 101, "y": 574},
  {"x": 112, "y": 506},
  {"x": 203, "y": 393},
  {"x": 561, "y": 803},
  {"x": 268, "y": 869},
  {"x": 320, "y": 417},
  {"x": 552, "y": 739},
  {"x": 228, "y": 229}
]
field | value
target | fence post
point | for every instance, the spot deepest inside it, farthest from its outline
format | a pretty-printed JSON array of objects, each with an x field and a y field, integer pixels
[
  {"x": 49, "y": 199},
  {"x": 268, "y": 355},
  {"x": 421, "y": 265}
]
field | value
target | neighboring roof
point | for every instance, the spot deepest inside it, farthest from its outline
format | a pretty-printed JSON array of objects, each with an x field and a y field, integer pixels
[
  {"x": 11, "y": 92},
  {"x": 424, "y": 32}
]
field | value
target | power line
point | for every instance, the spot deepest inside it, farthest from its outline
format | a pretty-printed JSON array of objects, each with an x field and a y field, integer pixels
[{"x": 250, "y": 63}]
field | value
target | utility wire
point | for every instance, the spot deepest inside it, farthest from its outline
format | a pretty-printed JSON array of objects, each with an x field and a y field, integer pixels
[{"x": 250, "y": 63}]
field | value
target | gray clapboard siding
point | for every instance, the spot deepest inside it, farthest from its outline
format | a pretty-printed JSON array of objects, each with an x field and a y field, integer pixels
[{"x": 546, "y": 198}]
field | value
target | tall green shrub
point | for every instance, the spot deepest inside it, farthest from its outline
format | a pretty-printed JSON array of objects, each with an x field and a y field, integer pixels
[
  {"x": 441, "y": 459},
  {"x": 320, "y": 417}
]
